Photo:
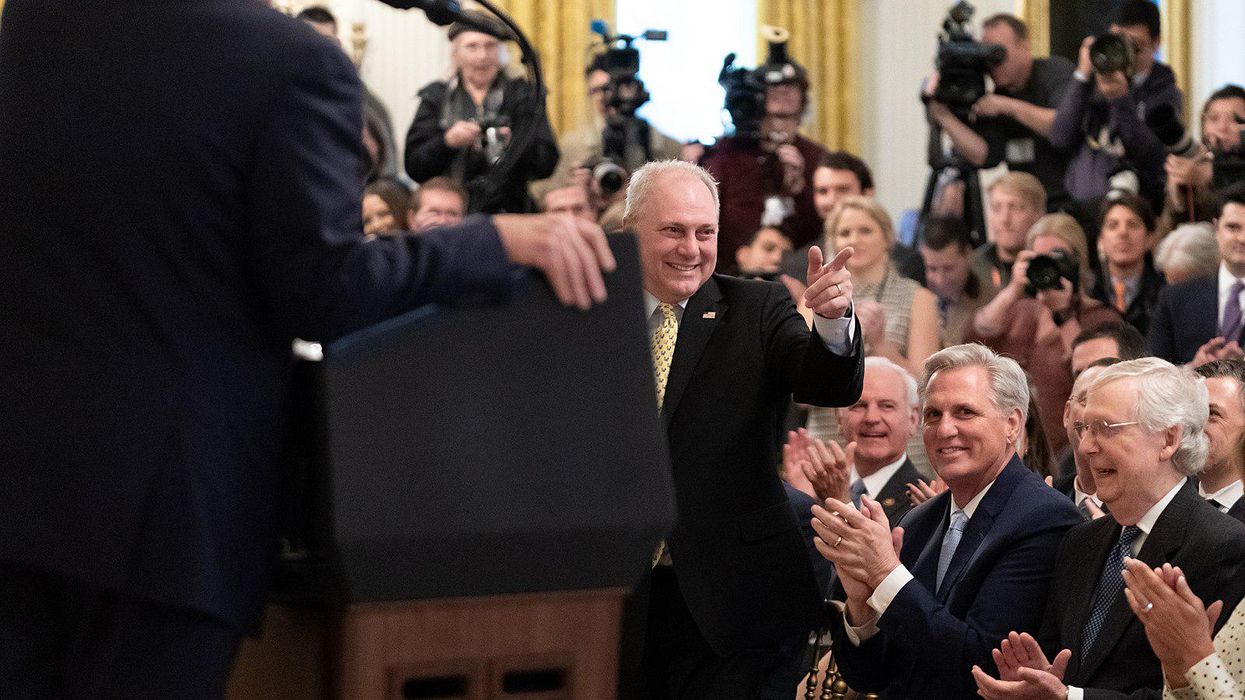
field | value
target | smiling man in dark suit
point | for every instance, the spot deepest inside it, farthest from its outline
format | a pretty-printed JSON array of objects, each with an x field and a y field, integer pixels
[
  {"x": 1142, "y": 435},
  {"x": 1200, "y": 320},
  {"x": 733, "y": 582},
  {"x": 182, "y": 201},
  {"x": 930, "y": 599}
]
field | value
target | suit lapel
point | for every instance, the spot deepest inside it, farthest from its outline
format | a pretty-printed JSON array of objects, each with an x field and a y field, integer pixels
[
  {"x": 1160, "y": 544},
  {"x": 980, "y": 525},
  {"x": 895, "y": 493},
  {"x": 925, "y": 570},
  {"x": 694, "y": 333}
]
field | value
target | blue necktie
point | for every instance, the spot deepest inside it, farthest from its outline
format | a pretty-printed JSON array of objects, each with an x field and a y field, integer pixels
[
  {"x": 950, "y": 541},
  {"x": 1109, "y": 587},
  {"x": 858, "y": 489},
  {"x": 1230, "y": 329}
]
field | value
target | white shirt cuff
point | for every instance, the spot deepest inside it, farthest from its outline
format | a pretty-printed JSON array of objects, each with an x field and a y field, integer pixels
[
  {"x": 1080, "y": 77},
  {"x": 886, "y": 591},
  {"x": 1075, "y": 693},
  {"x": 856, "y": 635},
  {"x": 836, "y": 333}
]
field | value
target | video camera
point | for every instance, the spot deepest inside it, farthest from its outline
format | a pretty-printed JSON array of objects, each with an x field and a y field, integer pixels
[
  {"x": 745, "y": 89},
  {"x": 625, "y": 92},
  {"x": 1227, "y": 165},
  {"x": 963, "y": 62}
]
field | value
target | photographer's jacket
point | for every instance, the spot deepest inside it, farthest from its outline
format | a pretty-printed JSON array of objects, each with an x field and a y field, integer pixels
[{"x": 442, "y": 103}]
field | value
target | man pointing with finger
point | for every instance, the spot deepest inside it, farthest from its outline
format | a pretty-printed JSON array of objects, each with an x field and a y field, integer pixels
[
  {"x": 927, "y": 601},
  {"x": 732, "y": 582}
]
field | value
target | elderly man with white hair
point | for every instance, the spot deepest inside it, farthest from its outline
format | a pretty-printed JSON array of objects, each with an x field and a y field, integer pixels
[
  {"x": 1142, "y": 434},
  {"x": 1188, "y": 252}
]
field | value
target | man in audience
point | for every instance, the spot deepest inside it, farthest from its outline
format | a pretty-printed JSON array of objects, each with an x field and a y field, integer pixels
[
  {"x": 437, "y": 202},
  {"x": 568, "y": 198},
  {"x": 1012, "y": 124},
  {"x": 1200, "y": 320},
  {"x": 1015, "y": 201},
  {"x": 767, "y": 178},
  {"x": 1102, "y": 116},
  {"x": 927, "y": 601},
  {"x": 876, "y": 430},
  {"x": 732, "y": 584},
  {"x": 1115, "y": 339},
  {"x": 1220, "y": 482},
  {"x": 1077, "y": 482},
  {"x": 1142, "y": 434},
  {"x": 946, "y": 249},
  {"x": 762, "y": 256}
]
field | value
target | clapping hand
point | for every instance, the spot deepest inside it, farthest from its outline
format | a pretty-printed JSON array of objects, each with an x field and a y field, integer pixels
[
  {"x": 1178, "y": 626},
  {"x": 1024, "y": 671}
]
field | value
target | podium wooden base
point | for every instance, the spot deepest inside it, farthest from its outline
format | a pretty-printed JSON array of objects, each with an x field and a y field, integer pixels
[{"x": 546, "y": 646}]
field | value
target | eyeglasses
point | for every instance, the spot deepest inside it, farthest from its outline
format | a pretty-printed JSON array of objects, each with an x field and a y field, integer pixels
[{"x": 1100, "y": 428}]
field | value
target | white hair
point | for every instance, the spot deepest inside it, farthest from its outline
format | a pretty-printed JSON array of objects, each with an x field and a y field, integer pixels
[
  {"x": 1167, "y": 396},
  {"x": 909, "y": 382},
  {"x": 644, "y": 179},
  {"x": 1189, "y": 247},
  {"x": 1007, "y": 379}
]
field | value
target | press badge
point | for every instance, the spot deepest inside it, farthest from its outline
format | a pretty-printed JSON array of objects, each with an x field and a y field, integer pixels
[{"x": 1021, "y": 151}]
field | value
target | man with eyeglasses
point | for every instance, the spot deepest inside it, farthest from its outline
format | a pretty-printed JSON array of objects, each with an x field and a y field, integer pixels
[{"x": 1142, "y": 435}]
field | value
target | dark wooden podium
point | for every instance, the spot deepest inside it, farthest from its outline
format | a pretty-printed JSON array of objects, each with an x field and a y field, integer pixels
[{"x": 471, "y": 493}]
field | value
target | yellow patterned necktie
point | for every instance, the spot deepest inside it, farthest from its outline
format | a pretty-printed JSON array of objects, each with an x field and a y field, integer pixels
[{"x": 662, "y": 346}]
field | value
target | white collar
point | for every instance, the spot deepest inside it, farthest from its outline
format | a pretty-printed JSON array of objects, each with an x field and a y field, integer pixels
[
  {"x": 1226, "y": 496},
  {"x": 1226, "y": 279},
  {"x": 875, "y": 482},
  {"x": 651, "y": 302},
  {"x": 1147, "y": 521},
  {"x": 971, "y": 507},
  {"x": 1079, "y": 495}
]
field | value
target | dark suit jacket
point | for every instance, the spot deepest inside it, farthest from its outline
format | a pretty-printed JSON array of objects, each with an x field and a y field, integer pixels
[
  {"x": 997, "y": 582},
  {"x": 1186, "y": 317},
  {"x": 1238, "y": 510},
  {"x": 737, "y": 550},
  {"x": 1190, "y": 533},
  {"x": 173, "y": 217},
  {"x": 1142, "y": 307},
  {"x": 894, "y": 495}
]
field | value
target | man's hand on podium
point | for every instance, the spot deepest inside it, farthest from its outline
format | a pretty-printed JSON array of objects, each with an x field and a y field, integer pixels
[{"x": 571, "y": 253}]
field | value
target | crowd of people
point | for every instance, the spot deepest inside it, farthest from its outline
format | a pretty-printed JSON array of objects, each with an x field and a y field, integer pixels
[{"x": 1031, "y": 496}]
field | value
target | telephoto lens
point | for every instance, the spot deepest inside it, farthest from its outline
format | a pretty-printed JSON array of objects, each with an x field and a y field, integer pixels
[{"x": 1112, "y": 52}]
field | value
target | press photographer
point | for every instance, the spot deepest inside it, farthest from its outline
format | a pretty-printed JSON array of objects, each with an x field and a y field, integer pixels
[
  {"x": 765, "y": 166},
  {"x": 463, "y": 125},
  {"x": 1012, "y": 123},
  {"x": 1196, "y": 170},
  {"x": 1117, "y": 87}
]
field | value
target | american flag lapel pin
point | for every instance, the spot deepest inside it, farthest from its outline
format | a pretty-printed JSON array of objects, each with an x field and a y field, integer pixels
[{"x": 710, "y": 314}]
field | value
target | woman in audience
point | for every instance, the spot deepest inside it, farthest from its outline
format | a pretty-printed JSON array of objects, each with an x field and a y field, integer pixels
[
  {"x": 1037, "y": 326},
  {"x": 385, "y": 204},
  {"x": 1190, "y": 194},
  {"x": 463, "y": 124},
  {"x": 1129, "y": 282},
  {"x": 1187, "y": 253},
  {"x": 898, "y": 317}
]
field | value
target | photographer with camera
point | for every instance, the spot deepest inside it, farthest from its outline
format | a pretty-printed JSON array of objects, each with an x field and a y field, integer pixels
[
  {"x": 765, "y": 168},
  {"x": 463, "y": 125},
  {"x": 1117, "y": 87},
  {"x": 1012, "y": 124},
  {"x": 1035, "y": 318},
  {"x": 1195, "y": 171}
]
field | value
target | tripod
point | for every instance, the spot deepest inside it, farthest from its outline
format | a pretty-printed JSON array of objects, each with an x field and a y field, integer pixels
[{"x": 948, "y": 171}]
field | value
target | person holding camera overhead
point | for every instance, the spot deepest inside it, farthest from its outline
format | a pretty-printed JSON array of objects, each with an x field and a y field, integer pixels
[
  {"x": 463, "y": 125},
  {"x": 1117, "y": 86},
  {"x": 1012, "y": 124},
  {"x": 1035, "y": 318}
]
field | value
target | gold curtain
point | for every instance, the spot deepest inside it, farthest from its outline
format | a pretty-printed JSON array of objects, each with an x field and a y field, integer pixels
[
  {"x": 558, "y": 30},
  {"x": 1036, "y": 14},
  {"x": 825, "y": 40},
  {"x": 1176, "y": 30}
]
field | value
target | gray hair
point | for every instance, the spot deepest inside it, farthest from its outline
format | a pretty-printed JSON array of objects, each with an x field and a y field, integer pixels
[
  {"x": 1007, "y": 379},
  {"x": 1168, "y": 396},
  {"x": 1191, "y": 247},
  {"x": 644, "y": 179},
  {"x": 909, "y": 382}
]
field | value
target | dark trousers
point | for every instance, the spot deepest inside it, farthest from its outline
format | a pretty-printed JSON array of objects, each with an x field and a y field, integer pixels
[
  {"x": 677, "y": 662},
  {"x": 61, "y": 638}
]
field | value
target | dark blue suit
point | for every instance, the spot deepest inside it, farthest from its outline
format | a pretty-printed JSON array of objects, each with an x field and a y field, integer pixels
[
  {"x": 181, "y": 199},
  {"x": 1186, "y": 317},
  {"x": 996, "y": 583}
]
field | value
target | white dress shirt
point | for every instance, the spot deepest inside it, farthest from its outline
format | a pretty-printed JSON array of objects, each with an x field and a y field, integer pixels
[
  {"x": 836, "y": 334},
  {"x": 875, "y": 482},
  {"x": 1226, "y": 497}
]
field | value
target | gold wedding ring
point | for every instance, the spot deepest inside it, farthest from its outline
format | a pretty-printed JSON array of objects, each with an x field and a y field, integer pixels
[{"x": 838, "y": 541}]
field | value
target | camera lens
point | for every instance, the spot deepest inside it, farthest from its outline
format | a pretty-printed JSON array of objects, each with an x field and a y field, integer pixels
[{"x": 1110, "y": 53}]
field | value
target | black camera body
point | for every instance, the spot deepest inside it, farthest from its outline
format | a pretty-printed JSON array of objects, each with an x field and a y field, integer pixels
[
  {"x": 625, "y": 93},
  {"x": 1112, "y": 53},
  {"x": 963, "y": 62},
  {"x": 609, "y": 175},
  {"x": 1047, "y": 272},
  {"x": 745, "y": 97}
]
